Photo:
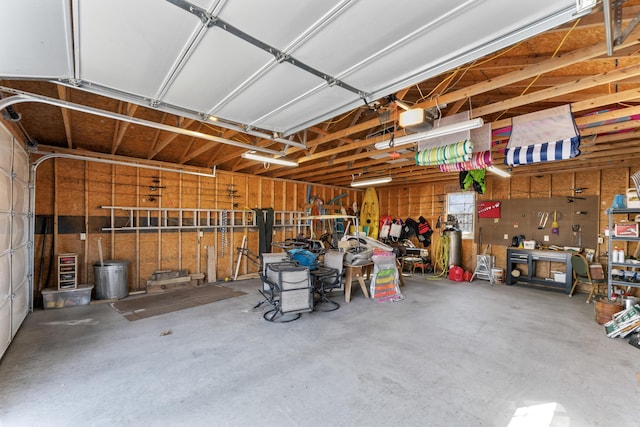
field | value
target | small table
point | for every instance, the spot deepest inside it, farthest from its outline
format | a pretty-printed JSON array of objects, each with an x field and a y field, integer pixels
[
  {"x": 357, "y": 271},
  {"x": 410, "y": 262}
]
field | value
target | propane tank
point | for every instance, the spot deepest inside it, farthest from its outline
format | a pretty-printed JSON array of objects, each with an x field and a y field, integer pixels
[{"x": 455, "y": 245}]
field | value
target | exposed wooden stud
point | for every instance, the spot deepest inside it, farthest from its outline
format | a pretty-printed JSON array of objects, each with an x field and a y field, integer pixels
[
  {"x": 66, "y": 116},
  {"x": 168, "y": 138},
  {"x": 122, "y": 128}
]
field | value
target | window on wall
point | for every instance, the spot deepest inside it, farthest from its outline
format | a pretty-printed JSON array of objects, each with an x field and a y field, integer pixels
[{"x": 462, "y": 207}]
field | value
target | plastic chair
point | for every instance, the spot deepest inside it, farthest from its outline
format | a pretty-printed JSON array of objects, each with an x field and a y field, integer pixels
[
  {"x": 424, "y": 266},
  {"x": 269, "y": 258},
  {"x": 582, "y": 273},
  {"x": 329, "y": 277}
]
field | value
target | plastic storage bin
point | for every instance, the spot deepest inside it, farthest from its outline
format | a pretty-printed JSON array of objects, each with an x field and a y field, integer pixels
[{"x": 54, "y": 298}]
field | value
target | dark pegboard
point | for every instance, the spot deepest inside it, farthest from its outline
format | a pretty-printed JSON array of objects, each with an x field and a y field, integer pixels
[{"x": 521, "y": 217}]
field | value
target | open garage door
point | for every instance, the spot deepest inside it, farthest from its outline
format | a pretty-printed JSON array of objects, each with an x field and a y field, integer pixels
[{"x": 14, "y": 226}]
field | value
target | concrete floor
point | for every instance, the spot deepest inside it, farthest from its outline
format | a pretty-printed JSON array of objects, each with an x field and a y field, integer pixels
[{"x": 449, "y": 354}]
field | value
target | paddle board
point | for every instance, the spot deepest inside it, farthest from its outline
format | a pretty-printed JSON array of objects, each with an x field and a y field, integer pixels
[{"x": 370, "y": 212}]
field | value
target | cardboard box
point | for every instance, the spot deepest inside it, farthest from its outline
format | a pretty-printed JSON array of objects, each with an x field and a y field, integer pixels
[
  {"x": 629, "y": 229},
  {"x": 633, "y": 201},
  {"x": 559, "y": 276},
  {"x": 596, "y": 271},
  {"x": 54, "y": 298}
]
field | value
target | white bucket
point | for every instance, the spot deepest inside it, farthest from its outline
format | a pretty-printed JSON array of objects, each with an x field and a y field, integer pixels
[
  {"x": 497, "y": 274},
  {"x": 630, "y": 302}
]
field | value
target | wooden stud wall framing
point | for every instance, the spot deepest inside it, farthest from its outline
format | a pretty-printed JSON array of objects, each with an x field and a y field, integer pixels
[
  {"x": 72, "y": 193},
  {"x": 74, "y": 190},
  {"x": 412, "y": 201}
]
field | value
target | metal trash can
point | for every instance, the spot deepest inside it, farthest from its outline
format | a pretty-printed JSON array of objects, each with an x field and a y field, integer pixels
[{"x": 111, "y": 279}]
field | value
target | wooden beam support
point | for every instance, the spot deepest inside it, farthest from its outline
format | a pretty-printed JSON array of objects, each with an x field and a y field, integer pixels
[
  {"x": 66, "y": 115},
  {"x": 122, "y": 128}
]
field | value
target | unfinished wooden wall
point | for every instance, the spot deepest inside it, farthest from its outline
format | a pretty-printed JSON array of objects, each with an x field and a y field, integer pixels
[
  {"x": 429, "y": 200},
  {"x": 70, "y": 193}
]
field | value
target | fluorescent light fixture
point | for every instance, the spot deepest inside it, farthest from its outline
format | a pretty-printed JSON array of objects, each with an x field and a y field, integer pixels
[
  {"x": 371, "y": 181},
  {"x": 585, "y": 5},
  {"x": 402, "y": 105},
  {"x": 433, "y": 133},
  {"x": 266, "y": 159},
  {"x": 499, "y": 171},
  {"x": 411, "y": 117}
]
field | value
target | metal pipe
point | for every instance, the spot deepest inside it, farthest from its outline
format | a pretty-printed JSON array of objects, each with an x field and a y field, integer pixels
[
  {"x": 606, "y": 8},
  {"x": 46, "y": 156},
  {"x": 21, "y": 96},
  {"x": 32, "y": 196},
  {"x": 122, "y": 96}
]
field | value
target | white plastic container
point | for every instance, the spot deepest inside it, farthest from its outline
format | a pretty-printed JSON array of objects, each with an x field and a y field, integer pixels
[{"x": 559, "y": 276}]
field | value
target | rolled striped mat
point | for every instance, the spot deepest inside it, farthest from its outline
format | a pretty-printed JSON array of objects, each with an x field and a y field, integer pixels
[
  {"x": 479, "y": 160},
  {"x": 547, "y": 152},
  {"x": 445, "y": 154}
]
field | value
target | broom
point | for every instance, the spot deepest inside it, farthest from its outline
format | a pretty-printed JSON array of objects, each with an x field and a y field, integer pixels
[{"x": 554, "y": 224}]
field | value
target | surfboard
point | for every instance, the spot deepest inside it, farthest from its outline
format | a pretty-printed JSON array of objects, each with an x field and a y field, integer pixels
[{"x": 370, "y": 212}]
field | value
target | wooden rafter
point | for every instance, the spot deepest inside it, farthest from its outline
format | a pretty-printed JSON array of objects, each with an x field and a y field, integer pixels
[
  {"x": 66, "y": 115},
  {"x": 168, "y": 138},
  {"x": 122, "y": 127}
]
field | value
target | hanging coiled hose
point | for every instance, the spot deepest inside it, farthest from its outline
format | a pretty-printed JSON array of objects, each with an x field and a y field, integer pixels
[{"x": 441, "y": 256}]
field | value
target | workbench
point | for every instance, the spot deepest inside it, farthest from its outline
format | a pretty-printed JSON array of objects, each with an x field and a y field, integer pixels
[{"x": 530, "y": 257}]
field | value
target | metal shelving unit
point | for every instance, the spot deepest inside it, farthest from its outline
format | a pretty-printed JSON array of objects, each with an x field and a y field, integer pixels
[{"x": 611, "y": 282}]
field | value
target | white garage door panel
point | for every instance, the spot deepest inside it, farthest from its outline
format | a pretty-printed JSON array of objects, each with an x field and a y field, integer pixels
[
  {"x": 5, "y": 151},
  {"x": 5, "y": 232},
  {"x": 20, "y": 200},
  {"x": 277, "y": 86},
  {"x": 266, "y": 21},
  {"x": 5, "y": 278},
  {"x": 38, "y": 27},
  {"x": 5, "y": 325},
  {"x": 15, "y": 286},
  {"x": 19, "y": 231},
  {"x": 5, "y": 193},
  {"x": 138, "y": 67},
  {"x": 203, "y": 67},
  {"x": 21, "y": 165},
  {"x": 19, "y": 265},
  {"x": 20, "y": 306},
  {"x": 333, "y": 94}
]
